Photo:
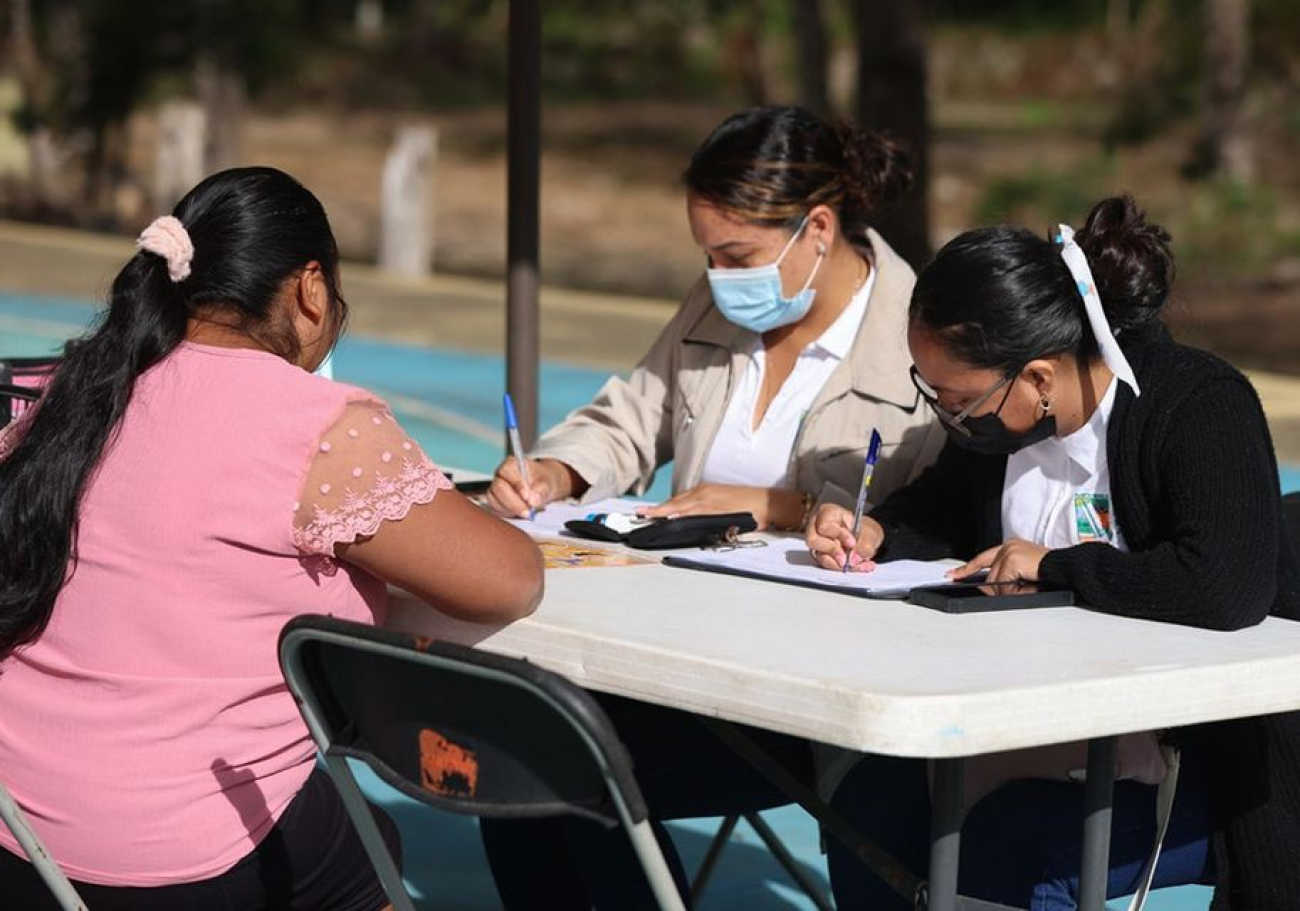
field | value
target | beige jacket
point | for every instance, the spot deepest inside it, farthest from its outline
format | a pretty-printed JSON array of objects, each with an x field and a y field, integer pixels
[{"x": 672, "y": 405}]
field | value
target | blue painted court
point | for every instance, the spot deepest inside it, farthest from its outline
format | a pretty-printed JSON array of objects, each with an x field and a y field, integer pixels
[{"x": 450, "y": 402}]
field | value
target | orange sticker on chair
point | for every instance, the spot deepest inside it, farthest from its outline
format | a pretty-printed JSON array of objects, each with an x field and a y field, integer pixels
[{"x": 445, "y": 768}]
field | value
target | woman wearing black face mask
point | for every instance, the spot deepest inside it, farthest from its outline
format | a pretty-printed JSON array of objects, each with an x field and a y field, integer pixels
[{"x": 1088, "y": 451}]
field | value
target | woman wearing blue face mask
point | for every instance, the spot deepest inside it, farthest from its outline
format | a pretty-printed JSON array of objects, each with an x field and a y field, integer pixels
[
  {"x": 1090, "y": 452},
  {"x": 763, "y": 391},
  {"x": 764, "y": 388}
]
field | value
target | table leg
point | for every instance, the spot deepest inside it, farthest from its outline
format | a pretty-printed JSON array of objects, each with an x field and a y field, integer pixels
[
  {"x": 1098, "y": 796},
  {"x": 945, "y": 833},
  {"x": 873, "y": 856}
]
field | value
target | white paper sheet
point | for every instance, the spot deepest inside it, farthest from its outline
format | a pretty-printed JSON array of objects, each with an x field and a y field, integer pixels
[{"x": 788, "y": 560}]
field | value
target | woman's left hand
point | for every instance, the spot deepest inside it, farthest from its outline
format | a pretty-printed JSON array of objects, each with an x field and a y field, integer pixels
[
  {"x": 1015, "y": 561},
  {"x": 769, "y": 506}
]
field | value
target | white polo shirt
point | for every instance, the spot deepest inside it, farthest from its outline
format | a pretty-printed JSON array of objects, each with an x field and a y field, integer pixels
[
  {"x": 1057, "y": 492},
  {"x": 762, "y": 457}
]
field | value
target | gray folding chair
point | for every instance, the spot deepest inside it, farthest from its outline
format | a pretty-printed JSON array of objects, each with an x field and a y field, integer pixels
[
  {"x": 460, "y": 730},
  {"x": 21, "y": 379},
  {"x": 16, "y": 820},
  {"x": 13, "y": 400}
]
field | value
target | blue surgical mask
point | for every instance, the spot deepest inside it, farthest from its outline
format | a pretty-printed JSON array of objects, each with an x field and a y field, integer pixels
[{"x": 753, "y": 299}]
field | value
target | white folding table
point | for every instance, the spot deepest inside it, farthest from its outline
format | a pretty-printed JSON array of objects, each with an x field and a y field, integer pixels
[{"x": 890, "y": 677}]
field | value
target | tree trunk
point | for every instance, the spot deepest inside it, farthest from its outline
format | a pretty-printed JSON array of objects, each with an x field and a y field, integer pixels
[
  {"x": 1225, "y": 148},
  {"x": 221, "y": 92},
  {"x": 406, "y": 216},
  {"x": 419, "y": 29},
  {"x": 22, "y": 47},
  {"x": 1119, "y": 18},
  {"x": 180, "y": 159},
  {"x": 745, "y": 52},
  {"x": 810, "y": 34},
  {"x": 369, "y": 18},
  {"x": 892, "y": 98},
  {"x": 42, "y": 158}
]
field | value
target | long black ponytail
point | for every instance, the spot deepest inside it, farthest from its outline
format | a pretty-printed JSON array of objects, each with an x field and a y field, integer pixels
[{"x": 251, "y": 229}]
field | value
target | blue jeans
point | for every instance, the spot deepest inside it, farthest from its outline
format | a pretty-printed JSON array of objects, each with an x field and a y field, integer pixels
[{"x": 1020, "y": 845}]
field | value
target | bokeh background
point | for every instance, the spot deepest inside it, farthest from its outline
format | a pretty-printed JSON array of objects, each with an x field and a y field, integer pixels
[{"x": 1019, "y": 111}]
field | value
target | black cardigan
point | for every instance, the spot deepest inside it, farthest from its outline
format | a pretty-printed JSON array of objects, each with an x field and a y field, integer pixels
[{"x": 1194, "y": 488}]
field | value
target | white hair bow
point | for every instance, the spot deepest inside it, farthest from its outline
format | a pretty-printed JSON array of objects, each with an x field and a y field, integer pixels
[{"x": 1077, "y": 263}]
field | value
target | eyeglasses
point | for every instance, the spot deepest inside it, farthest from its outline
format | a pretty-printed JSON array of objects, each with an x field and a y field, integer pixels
[{"x": 958, "y": 421}]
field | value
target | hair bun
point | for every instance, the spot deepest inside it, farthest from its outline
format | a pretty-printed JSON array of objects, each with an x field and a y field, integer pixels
[
  {"x": 879, "y": 168},
  {"x": 1130, "y": 260}
]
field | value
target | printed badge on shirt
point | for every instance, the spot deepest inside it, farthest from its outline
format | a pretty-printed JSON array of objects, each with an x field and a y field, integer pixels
[{"x": 1092, "y": 518}]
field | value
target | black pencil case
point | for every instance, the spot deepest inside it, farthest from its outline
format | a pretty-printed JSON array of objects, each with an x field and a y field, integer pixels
[{"x": 662, "y": 534}]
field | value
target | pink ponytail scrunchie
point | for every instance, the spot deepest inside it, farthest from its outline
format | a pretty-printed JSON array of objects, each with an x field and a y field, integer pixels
[{"x": 167, "y": 237}]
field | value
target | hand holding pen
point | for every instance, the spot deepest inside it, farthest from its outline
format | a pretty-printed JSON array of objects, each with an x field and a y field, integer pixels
[
  {"x": 517, "y": 447},
  {"x": 868, "y": 469},
  {"x": 842, "y": 540}
]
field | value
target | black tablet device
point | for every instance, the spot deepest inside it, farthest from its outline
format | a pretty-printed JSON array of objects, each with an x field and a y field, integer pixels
[{"x": 968, "y": 599}]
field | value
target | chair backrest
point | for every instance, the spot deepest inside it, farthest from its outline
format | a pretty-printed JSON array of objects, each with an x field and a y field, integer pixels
[
  {"x": 457, "y": 728},
  {"x": 14, "y": 400},
  {"x": 21, "y": 381},
  {"x": 14, "y": 818},
  {"x": 27, "y": 371}
]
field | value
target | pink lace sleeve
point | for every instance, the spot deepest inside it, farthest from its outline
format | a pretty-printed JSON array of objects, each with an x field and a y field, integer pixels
[{"x": 366, "y": 471}]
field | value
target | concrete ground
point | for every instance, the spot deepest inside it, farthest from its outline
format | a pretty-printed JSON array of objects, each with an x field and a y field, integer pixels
[{"x": 466, "y": 314}]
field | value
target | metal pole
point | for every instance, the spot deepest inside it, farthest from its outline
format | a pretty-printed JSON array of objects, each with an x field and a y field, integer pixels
[
  {"x": 523, "y": 181},
  {"x": 1098, "y": 796},
  {"x": 945, "y": 833}
]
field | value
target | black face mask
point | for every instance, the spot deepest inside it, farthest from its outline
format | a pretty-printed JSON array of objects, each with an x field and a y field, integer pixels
[
  {"x": 984, "y": 434},
  {"x": 989, "y": 436}
]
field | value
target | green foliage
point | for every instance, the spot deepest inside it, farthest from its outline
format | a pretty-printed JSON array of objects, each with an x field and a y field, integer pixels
[
  {"x": 1238, "y": 228},
  {"x": 1222, "y": 227},
  {"x": 102, "y": 56},
  {"x": 1172, "y": 88},
  {"x": 453, "y": 51},
  {"x": 1168, "y": 68},
  {"x": 1044, "y": 197}
]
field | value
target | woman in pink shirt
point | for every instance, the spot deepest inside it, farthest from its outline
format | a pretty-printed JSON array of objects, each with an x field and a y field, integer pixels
[{"x": 185, "y": 486}]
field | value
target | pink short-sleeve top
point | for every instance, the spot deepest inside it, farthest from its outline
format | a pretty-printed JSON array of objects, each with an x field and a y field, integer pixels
[{"x": 148, "y": 732}]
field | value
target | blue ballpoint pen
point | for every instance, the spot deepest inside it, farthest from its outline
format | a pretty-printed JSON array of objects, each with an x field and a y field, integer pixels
[
  {"x": 868, "y": 469},
  {"x": 512, "y": 431}
]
